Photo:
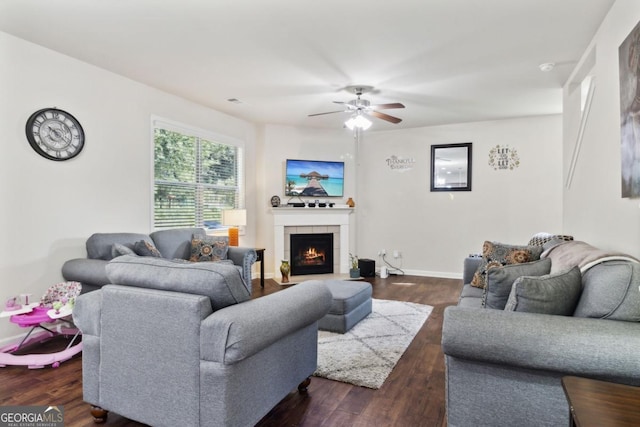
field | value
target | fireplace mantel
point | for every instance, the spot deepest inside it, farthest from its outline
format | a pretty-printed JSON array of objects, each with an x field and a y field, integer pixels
[{"x": 300, "y": 217}]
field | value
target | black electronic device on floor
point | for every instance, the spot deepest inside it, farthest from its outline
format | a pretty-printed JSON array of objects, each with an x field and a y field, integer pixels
[{"x": 367, "y": 267}]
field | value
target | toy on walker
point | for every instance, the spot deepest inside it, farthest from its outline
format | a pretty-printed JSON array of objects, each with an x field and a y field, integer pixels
[{"x": 54, "y": 309}]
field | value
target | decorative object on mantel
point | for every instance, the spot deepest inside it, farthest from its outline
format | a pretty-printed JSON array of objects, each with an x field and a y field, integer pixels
[
  {"x": 234, "y": 218},
  {"x": 311, "y": 205},
  {"x": 354, "y": 271},
  {"x": 501, "y": 157},
  {"x": 275, "y": 201},
  {"x": 299, "y": 204},
  {"x": 351, "y": 203},
  {"x": 285, "y": 269}
]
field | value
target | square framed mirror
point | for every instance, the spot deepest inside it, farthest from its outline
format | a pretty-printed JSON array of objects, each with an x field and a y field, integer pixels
[{"x": 451, "y": 167}]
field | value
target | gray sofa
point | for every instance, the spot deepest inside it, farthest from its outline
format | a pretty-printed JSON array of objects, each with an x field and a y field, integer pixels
[
  {"x": 172, "y": 244},
  {"x": 504, "y": 366},
  {"x": 169, "y": 343}
]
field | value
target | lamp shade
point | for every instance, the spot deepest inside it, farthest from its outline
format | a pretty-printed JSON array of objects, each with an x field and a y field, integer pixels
[{"x": 234, "y": 217}]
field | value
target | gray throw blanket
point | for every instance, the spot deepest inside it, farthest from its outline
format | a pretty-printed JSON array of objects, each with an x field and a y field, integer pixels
[
  {"x": 220, "y": 282},
  {"x": 567, "y": 255}
]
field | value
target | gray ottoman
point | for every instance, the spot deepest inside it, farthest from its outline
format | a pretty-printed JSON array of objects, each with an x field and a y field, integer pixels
[{"x": 351, "y": 303}]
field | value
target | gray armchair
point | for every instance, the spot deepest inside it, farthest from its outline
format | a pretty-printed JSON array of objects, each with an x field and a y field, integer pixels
[{"x": 187, "y": 346}]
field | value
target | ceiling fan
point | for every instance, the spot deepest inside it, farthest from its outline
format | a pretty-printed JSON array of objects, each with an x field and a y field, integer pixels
[{"x": 361, "y": 107}]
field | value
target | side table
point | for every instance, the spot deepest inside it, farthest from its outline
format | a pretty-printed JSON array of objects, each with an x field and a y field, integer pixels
[
  {"x": 600, "y": 403},
  {"x": 260, "y": 258}
]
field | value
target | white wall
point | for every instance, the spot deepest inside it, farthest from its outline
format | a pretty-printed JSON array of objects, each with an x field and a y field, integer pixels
[
  {"x": 50, "y": 208},
  {"x": 594, "y": 210},
  {"x": 434, "y": 231},
  {"x": 396, "y": 210}
]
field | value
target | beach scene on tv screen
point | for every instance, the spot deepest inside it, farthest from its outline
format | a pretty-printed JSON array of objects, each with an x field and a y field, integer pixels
[{"x": 312, "y": 178}]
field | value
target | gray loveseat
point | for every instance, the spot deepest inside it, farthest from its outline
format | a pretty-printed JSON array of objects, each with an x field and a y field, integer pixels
[
  {"x": 504, "y": 367},
  {"x": 172, "y": 244},
  {"x": 169, "y": 343}
]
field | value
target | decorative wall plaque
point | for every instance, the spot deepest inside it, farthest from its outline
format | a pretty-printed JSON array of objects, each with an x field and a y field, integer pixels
[
  {"x": 502, "y": 157},
  {"x": 400, "y": 164}
]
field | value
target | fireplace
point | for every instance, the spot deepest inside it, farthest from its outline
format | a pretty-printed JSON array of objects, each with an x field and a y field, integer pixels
[
  {"x": 287, "y": 221},
  {"x": 311, "y": 253}
]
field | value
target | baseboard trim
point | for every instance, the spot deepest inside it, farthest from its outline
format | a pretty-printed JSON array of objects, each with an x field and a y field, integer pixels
[
  {"x": 422, "y": 273},
  {"x": 425, "y": 273}
]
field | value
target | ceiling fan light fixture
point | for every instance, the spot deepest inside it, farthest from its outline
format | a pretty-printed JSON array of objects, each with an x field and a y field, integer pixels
[{"x": 358, "y": 121}]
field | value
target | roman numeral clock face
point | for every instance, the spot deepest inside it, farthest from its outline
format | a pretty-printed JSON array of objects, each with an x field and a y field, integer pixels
[{"x": 55, "y": 134}]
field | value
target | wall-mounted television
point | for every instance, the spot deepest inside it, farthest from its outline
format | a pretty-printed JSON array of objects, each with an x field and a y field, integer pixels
[{"x": 314, "y": 178}]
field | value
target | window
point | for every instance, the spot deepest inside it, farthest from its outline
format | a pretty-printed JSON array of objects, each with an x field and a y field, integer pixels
[{"x": 196, "y": 177}]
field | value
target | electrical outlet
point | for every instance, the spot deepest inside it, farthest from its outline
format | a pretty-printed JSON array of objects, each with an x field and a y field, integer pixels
[
  {"x": 382, "y": 252},
  {"x": 397, "y": 254}
]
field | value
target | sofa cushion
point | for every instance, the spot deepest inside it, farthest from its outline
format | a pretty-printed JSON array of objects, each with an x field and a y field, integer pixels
[
  {"x": 100, "y": 245},
  {"x": 145, "y": 248},
  {"x": 496, "y": 254},
  {"x": 220, "y": 282},
  {"x": 556, "y": 293},
  {"x": 500, "y": 280},
  {"x": 208, "y": 248},
  {"x": 610, "y": 291},
  {"x": 118, "y": 250}
]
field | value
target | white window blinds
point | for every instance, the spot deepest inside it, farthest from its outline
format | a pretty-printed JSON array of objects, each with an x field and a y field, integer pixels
[{"x": 196, "y": 177}]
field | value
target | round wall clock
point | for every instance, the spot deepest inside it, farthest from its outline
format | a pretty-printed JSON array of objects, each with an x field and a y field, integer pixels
[{"x": 55, "y": 134}]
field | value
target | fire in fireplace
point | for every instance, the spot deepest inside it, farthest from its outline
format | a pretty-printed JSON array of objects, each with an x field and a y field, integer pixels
[{"x": 311, "y": 253}]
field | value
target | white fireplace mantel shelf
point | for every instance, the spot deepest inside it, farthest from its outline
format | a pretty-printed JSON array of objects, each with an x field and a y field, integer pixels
[{"x": 300, "y": 217}]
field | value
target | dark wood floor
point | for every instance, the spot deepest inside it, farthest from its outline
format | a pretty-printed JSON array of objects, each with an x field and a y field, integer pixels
[{"x": 413, "y": 395}]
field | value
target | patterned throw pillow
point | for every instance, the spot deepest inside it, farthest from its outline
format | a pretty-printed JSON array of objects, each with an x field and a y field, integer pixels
[
  {"x": 144, "y": 248},
  {"x": 496, "y": 254},
  {"x": 540, "y": 239},
  {"x": 208, "y": 248}
]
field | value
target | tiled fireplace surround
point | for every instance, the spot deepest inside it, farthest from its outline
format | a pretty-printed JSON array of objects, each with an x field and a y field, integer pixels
[{"x": 289, "y": 221}]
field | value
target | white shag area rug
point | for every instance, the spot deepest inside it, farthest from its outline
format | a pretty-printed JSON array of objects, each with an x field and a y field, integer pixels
[{"x": 366, "y": 355}]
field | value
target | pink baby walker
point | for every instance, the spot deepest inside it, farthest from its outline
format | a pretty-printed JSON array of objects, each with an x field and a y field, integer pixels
[{"x": 54, "y": 311}]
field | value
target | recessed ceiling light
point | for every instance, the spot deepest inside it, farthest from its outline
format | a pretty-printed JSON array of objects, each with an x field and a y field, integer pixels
[{"x": 547, "y": 66}]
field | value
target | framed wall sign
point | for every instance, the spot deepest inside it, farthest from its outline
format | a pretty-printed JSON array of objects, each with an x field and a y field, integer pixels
[{"x": 451, "y": 167}]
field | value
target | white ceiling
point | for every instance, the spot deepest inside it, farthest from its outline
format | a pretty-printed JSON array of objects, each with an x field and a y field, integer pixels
[{"x": 447, "y": 61}]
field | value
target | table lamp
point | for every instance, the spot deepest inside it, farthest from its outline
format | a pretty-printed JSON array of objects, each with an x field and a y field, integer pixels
[{"x": 233, "y": 218}]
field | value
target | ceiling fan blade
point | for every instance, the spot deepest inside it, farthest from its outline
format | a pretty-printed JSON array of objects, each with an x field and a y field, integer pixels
[
  {"x": 329, "y": 112},
  {"x": 384, "y": 116},
  {"x": 388, "y": 106}
]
